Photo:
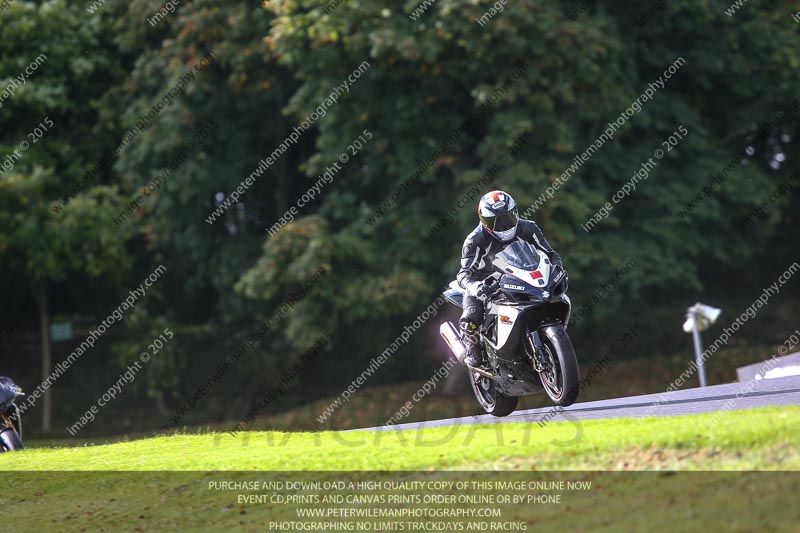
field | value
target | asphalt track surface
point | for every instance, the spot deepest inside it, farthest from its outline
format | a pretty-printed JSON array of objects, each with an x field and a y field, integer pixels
[{"x": 739, "y": 395}]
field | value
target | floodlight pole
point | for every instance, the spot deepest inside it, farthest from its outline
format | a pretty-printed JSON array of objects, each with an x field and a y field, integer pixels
[{"x": 698, "y": 354}]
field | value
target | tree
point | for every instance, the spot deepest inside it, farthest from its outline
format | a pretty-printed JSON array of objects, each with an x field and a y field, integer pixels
[
  {"x": 57, "y": 210},
  {"x": 430, "y": 75},
  {"x": 49, "y": 246}
]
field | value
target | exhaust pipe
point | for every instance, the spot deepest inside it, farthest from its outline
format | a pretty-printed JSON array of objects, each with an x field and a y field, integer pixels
[
  {"x": 451, "y": 336},
  {"x": 453, "y": 339}
]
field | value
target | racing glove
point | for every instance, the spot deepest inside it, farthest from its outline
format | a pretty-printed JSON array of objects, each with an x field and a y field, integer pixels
[{"x": 483, "y": 289}]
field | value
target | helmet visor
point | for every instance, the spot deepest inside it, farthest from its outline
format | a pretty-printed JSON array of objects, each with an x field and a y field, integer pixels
[
  {"x": 505, "y": 225},
  {"x": 506, "y": 221}
]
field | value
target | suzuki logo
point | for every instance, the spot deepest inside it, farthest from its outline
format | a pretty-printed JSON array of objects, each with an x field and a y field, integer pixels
[{"x": 546, "y": 294}]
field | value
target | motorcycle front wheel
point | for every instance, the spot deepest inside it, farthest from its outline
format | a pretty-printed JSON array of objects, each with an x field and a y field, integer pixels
[
  {"x": 9, "y": 440},
  {"x": 561, "y": 376}
]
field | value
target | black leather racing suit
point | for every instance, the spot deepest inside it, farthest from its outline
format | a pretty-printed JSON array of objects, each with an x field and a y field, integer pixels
[{"x": 476, "y": 263}]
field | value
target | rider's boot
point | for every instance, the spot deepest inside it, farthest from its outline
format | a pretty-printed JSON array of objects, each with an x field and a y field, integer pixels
[{"x": 472, "y": 343}]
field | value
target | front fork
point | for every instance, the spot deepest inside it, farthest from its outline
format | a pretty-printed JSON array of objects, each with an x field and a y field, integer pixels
[
  {"x": 11, "y": 419},
  {"x": 538, "y": 360}
]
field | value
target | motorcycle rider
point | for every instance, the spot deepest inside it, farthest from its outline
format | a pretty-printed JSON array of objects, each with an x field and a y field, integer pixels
[{"x": 499, "y": 226}]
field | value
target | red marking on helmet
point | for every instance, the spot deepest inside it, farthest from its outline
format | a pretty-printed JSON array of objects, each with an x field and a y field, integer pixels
[
  {"x": 536, "y": 275},
  {"x": 496, "y": 195}
]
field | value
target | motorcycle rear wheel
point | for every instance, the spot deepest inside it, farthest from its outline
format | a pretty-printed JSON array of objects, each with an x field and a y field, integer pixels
[{"x": 490, "y": 398}]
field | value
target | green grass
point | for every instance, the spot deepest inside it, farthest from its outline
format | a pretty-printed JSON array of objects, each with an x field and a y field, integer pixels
[
  {"x": 760, "y": 439},
  {"x": 163, "y": 483}
]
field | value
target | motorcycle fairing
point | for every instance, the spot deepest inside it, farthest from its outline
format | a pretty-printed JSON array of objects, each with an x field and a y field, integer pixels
[{"x": 539, "y": 277}]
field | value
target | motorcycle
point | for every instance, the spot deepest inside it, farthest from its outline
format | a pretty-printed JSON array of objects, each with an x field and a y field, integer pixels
[
  {"x": 10, "y": 417},
  {"x": 523, "y": 333}
]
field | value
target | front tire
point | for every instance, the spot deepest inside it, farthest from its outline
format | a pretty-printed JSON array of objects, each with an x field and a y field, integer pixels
[
  {"x": 9, "y": 440},
  {"x": 490, "y": 398},
  {"x": 560, "y": 380}
]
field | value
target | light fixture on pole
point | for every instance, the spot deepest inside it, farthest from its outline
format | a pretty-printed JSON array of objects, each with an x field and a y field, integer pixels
[{"x": 699, "y": 317}]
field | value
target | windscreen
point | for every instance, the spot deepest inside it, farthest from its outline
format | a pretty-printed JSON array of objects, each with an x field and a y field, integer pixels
[{"x": 518, "y": 254}]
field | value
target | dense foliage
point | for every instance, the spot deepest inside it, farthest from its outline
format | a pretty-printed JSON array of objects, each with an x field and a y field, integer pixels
[{"x": 443, "y": 99}]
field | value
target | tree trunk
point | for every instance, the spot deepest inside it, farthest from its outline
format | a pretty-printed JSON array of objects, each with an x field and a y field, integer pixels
[
  {"x": 281, "y": 186},
  {"x": 47, "y": 354}
]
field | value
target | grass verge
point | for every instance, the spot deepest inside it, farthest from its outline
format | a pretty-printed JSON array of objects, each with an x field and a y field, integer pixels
[
  {"x": 758, "y": 439},
  {"x": 174, "y": 482}
]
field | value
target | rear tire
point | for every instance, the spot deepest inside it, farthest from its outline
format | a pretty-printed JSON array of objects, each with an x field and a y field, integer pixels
[
  {"x": 490, "y": 398},
  {"x": 9, "y": 441},
  {"x": 561, "y": 382}
]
